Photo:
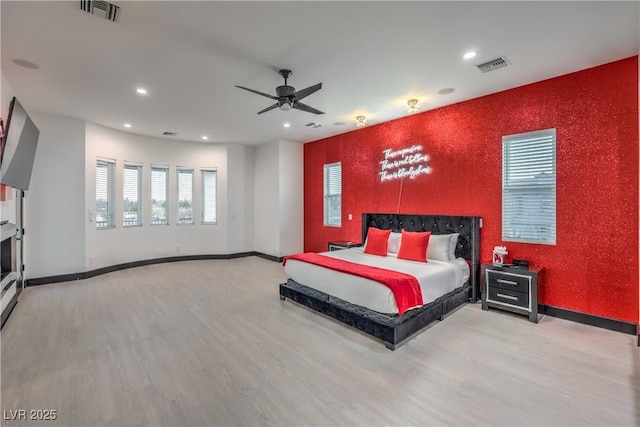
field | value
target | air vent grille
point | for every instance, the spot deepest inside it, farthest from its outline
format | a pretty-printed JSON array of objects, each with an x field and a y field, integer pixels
[
  {"x": 494, "y": 64},
  {"x": 313, "y": 125},
  {"x": 101, "y": 8}
]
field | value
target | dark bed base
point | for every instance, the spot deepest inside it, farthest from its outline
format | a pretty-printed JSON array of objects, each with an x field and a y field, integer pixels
[{"x": 392, "y": 329}]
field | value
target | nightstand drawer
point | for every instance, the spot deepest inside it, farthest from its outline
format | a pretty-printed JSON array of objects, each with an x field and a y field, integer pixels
[
  {"x": 342, "y": 244},
  {"x": 511, "y": 289},
  {"x": 507, "y": 281},
  {"x": 518, "y": 299}
]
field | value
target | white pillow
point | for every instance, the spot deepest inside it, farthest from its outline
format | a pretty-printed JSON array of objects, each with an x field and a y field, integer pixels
[
  {"x": 394, "y": 242},
  {"x": 453, "y": 244},
  {"x": 439, "y": 247}
]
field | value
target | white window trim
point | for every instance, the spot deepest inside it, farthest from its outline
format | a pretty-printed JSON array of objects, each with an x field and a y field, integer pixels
[
  {"x": 138, "y": 167},
  {"x": 111, "y": 193},
  {"x": 203, "y": 197},
  {"x": 325, "y": 195},
  {"x": 547, "y": 219},
  {"x": 180, "y": 169},
  {"x": 166, "y": 169}
]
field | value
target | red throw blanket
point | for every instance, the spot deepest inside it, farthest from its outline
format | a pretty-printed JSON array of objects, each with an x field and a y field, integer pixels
[{"x": 405, "y": 287}]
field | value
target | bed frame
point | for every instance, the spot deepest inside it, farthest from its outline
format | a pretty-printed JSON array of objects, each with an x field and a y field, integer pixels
[{"x": 394, "y": 329}]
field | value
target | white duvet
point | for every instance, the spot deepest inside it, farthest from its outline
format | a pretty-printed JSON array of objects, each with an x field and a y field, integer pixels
[{"x": 436, "y": 278}]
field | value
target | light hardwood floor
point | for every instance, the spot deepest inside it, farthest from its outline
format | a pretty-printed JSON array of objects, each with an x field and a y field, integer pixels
[{"x": 210, "y": 343}]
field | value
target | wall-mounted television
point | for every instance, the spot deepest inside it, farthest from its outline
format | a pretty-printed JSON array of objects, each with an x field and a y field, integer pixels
[{"x": 19, "y": 143}]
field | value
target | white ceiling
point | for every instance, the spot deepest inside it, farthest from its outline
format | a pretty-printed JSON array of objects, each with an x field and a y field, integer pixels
[{"x": 371, "y": 57}]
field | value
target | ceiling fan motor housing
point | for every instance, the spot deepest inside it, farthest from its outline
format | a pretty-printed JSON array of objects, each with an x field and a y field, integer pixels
[
  {"x": 286, "y": 96},
  {"x": 285, "y": 90}
]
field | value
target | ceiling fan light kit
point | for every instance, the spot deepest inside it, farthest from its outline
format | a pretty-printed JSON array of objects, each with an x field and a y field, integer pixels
[{"x": 286, "y": 96}]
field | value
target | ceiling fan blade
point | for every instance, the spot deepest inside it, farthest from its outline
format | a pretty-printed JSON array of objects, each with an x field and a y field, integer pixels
[
  {"x": 304, "y": 107},
  {"x": 308, "y": 91},
  {"x": 257, "y": 92},
  {"x": 268, "y": 108}
]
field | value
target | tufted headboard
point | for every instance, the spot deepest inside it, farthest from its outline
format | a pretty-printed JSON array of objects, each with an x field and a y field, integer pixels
[{"x": 468, "y": 246}]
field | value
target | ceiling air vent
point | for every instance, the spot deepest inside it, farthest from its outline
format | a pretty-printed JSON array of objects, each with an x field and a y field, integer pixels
[
  {"x": 313, "y": 125},
  {"x": 169, "y": 133},
  {"x": 494, "y": 64},
  {"x": 101, "y": 9}
]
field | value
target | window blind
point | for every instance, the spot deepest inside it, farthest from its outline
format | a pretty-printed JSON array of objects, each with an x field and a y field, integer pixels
[
  {"x": 185, "y": 196},
  {"x": 105, "y": 194},
  {"x": 529, "y": 187},
  {"x": 159, "y": 193},
  {"x": 209, "y": 195},
  {"x": 131, "y": 200},
  {"x": 333, "y": 194}
]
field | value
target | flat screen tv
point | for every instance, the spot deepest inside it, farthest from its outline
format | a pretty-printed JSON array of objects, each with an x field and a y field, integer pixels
[{"x": 19, "y": 144}]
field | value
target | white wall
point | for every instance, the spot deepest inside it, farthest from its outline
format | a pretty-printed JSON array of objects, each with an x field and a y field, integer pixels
[
  {"x": 279, "y": 198},
  {"x": 240, "y": 194},
  {"x": 54, "y": 203},
  {"x": 120, "y": 245},
  {"x": 291, "y": 196},
  {"x": 260, "y": 198},
  {"x": 267, "y": 204},
  {"x": 54, "y": 240}
]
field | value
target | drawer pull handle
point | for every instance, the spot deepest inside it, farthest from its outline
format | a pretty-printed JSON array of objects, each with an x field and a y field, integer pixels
[
  {"x": 511, "y": 297},
  {"x": 507, "y": 282}
]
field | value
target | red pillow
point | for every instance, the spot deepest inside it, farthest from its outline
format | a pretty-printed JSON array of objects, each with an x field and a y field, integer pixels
[
  {"x": 413, "y": 246},
  {"x": 377, "y": 241}
]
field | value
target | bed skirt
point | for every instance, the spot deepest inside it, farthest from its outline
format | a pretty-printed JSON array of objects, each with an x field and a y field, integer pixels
[{"x": 392, "y": 329}]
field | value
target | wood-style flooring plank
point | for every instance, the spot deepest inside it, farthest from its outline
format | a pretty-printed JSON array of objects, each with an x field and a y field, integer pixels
[{"x": 210, "y": 343}]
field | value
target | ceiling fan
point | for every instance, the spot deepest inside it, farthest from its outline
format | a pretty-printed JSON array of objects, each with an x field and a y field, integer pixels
[{"x": 287, "y": 97}]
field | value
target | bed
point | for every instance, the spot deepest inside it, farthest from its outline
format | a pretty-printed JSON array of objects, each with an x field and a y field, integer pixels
[{"x": 382, "y": 322}]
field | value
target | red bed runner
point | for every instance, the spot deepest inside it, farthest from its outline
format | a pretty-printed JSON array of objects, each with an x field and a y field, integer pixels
[{"x": 405, "y": 287}]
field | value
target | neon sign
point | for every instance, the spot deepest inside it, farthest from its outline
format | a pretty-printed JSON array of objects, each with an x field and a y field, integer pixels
[{"x": 406, "y": 162}]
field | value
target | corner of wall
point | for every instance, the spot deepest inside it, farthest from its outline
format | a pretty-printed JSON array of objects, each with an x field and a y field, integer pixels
[
  {"x": 240, "y": 205},
  {"x": 55, "y": 202},
  {"x": 291, "y": 197},
  {"x": 267, "y": 208}
]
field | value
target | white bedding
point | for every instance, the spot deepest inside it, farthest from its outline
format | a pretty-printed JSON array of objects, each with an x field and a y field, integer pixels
[{"x": 436, "y": 278}]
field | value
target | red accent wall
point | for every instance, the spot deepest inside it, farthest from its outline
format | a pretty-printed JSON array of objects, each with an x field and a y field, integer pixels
[{"x": 593, "y": 268}]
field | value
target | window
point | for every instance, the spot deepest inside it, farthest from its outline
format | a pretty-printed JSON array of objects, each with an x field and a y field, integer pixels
[
  {"x": 333, "y": 194},
  {"x": 159, "y": 192},
  {"x": 209, "y": 193},
  {"x": 105, "y": 194},
  {"x": 131, "y": 200},
  {"x": 185, "y": 196},
  {"x": 529, "y": 187}
]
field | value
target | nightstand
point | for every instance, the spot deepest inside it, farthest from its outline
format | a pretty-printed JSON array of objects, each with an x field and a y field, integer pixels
[
  {"x": 342, "y": 244},
  {"x": 512, "y": 289}
]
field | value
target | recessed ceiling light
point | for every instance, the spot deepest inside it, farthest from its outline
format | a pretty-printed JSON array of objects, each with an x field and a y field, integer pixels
[
  {"x": 205, "y": 137},
  {"x": 141, "y": 91},
  {"x": 287, "y": 125},
  {"x": 127, "y": 125},
  {"x": 26, "y": 64},
  {"x": 470, "y": 54},
  {"x": 445, "y": 91}
]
